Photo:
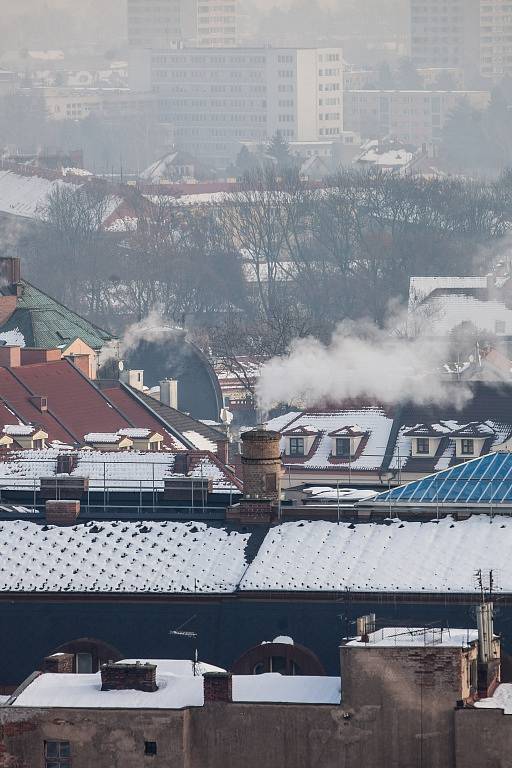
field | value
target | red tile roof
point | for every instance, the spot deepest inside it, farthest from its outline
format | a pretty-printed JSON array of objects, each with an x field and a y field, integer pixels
[{"x": 75, "y": 405}]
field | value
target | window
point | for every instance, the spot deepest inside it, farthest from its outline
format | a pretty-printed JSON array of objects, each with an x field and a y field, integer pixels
[
  {"x": 422, "y": 445},
  {"x": 38, "y": 445},
  {"x": 278, "y": 664},
  {"x": 84, "y": 663},
  {"x": 57, "y": 754},
  {"x": 343, "y": 446},
  {"x": 150, "y": 747},
  {"x": 296, "y": 446},
  {"x": 467, "y": 447}
]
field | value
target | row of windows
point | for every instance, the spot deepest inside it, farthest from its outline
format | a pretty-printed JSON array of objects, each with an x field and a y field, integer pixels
[{"x": 297, "y": 446}]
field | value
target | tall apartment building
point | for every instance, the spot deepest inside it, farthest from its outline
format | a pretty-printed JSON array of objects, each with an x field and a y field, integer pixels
[
  {"x": 495, "y": 38},
  {"x": 170, "y": 23},
  {"x": 415, "y": 117},
  {"x": 154, "y": 23},
  {"x": 217, "y": 23},
  {"x": 223, "y": 98},
  {"x": 445, "y": 33}
]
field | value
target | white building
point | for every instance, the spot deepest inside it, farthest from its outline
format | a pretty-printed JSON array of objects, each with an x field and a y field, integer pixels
[
  {"x": 495, "y": 38},
  {"x": 220, "y": 99}
]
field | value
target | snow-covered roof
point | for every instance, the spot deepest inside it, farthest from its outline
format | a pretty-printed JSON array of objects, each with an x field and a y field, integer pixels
[
  {"x": 408, "y": 637},
  {"x": 200, "y": 442},
  {"x": 129, "y": 471},
  {"x": 421, "y": 287},
  {"x": 501, "y": 699},
  {"x": 136, "y": 434},
  {"x": 18, "y": 429},
  {"x": 12, "y": 338},
  {"x": 102, "y": 437},
  {"x": 380, "y": 557},
  {"x": 319, "y": 556},
  {"x": 374, "y": 422},
  {"x": 177, "y": 688},
  {"x": 121, "y": 557}
]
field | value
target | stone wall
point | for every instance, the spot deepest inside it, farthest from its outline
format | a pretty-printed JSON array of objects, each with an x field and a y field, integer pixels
[
  {"x": 415, "y": 691},
  {"x": 483, "y": 738}
]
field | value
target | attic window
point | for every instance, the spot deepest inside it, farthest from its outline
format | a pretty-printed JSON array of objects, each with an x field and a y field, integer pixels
[
  {"x": 422, "y": 445},
  {"x": 150, "y": 747},
  {"x": 343, "y": 447},
  {"x": 467, "y": 447},
  {"x": 296, "y": 446}
]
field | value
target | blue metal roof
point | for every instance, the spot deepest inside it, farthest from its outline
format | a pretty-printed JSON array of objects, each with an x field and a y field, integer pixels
[{"x": 487, "y": 480}]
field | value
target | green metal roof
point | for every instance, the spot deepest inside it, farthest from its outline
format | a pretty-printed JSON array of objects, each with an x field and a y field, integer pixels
[{"x": 46, "y": 323}]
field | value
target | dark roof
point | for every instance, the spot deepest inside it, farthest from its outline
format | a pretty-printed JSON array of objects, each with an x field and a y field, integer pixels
[
  {"x": 46, "y": 323},
  {"x": 181, "y": 422}
]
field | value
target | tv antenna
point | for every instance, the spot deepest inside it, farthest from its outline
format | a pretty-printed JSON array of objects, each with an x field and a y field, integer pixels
[
  {"x": 189, "y": 635},
  {"x": 485, "y": 581}
]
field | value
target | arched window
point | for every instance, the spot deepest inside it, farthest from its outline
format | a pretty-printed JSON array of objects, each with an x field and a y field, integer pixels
[
  {"x": 284, "y": 657},
  {"x": 89, "y": 654}
]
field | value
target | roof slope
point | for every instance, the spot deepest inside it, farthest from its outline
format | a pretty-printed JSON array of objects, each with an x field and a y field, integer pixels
[
  {"x": 485, "y": 480},
  {"x": 318, "y": 556},
  {"x": 45, "y": 322},
  {"x": 75, "y": 406},
  {"x": 181, "y": 422}
]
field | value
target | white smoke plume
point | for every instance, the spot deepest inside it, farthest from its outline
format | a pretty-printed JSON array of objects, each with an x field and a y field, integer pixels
[
  {"x": 154, "y": 328},
  {"x": 361, "y": 361}
]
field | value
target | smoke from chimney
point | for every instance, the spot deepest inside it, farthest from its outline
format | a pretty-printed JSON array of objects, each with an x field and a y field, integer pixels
[{"x": 361, "y": 360}]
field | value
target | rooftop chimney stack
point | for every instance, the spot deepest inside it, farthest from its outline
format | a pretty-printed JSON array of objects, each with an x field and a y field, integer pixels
[
  {"x": 10, "y": 270},
  {"x": 261, "y": 464},
  {"x": 218, "y": 687},
  {"x": 126, "y": 677},
  {"x": 169, "y": 393}
]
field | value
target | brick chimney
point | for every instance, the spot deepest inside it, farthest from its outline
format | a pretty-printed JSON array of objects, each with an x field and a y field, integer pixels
[
  {"x": 261, "y": 464},
  {"x": 10, "y": 270},
  {"x": 59, "y": 663},
  {"x": 218, "y": 687},
  {"x": 66, "y": 463},
  {"x": 62, "y": 512},
  {"x": 10, "y": 357},
  {"x": 125, "y": 677}
]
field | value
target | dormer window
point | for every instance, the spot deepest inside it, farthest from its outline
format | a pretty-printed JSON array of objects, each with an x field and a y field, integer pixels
[
  {"x": 467, "y": 447},
  {"x": 296, "y": 446},
  {"x": 422, "y": 445},
  {"x": 343, "y": 447}
]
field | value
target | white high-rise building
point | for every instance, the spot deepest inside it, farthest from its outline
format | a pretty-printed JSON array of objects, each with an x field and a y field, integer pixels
[
  {"x": 217, "y": 23},
  {"x": 219, "y": 99},
  {"x": 495, "y": 38}
]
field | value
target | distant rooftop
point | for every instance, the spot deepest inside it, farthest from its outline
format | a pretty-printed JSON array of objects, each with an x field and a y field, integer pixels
[{"x": 406, "y": 637}]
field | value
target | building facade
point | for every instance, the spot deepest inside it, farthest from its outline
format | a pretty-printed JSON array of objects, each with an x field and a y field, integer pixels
[
  {"x": 170, "y": 23},
  {"x": 415, "y": 117},
  {"x": 495, "y": 38},
  {"x": 219, "y": 100},
  {"x": 445, "y": 34}
]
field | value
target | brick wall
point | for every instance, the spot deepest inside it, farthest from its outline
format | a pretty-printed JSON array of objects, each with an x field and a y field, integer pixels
[
  {"x": 63, "y": 512},
  {"x": 122, "y": 677},
  {"x": 217, "y": 687},
  {"x": 60, "y": 663}
]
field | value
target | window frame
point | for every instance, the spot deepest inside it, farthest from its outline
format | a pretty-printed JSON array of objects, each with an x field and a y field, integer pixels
[
  {"x": 62, "y": 758},
  {"x": 343, "y": 454},
  {"x": 421, "y": 442},
  {"x": 296, "y": 446},
  {"x": 464, "y": 443}
]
